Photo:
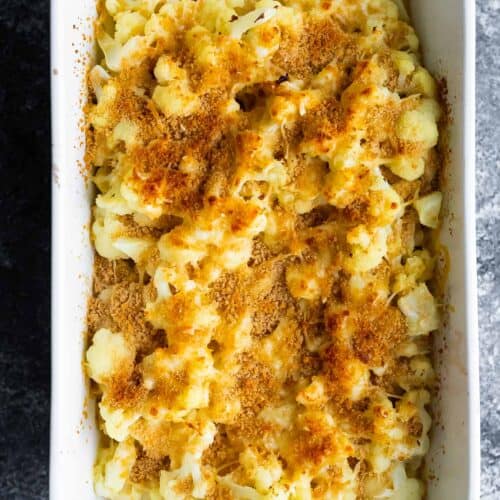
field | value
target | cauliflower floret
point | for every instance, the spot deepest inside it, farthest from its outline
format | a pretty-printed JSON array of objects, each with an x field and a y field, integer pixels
[
  {"x": 314, "y": 393},
  {"x": 176, "y": 99},
  {"x": 304, "y": 280},
  {"x": 130, "y": 193},
  {"x": 108, "y": 355},
  {"x": 418, "y": 267},
  {"x": 235, "y": 254},
  {"x": 423, "y": 83},
  {"x": 419, "y": 125},
  {"x": 115, "y": 53},
  {"x": 161, "y": 27},
  {"x": 281, "y": 416},
  {"x": 264, "y": 11},
  {"x": 117, "y": 422},
  {"x": 406, "y": 167},
  {"x": 368, "y": 247},
  {"x": 193, "y": 392},
  {"x": 166, "y": 70},
  {"x": 238, "y": 491},
  {"x": 98, "y": 77},
  {"x": 127, "y": 25},
  {"x": 411, "y": 408},
  {"x": 125, "y": 131},
  {"x": 404, "y": 62},
  {"x": 265, "y": 40},
  {"x": 134, "y": 248},
  {"x": 171, "y": 482},
  {"x": 405, "y": 488},
  {"x": 428, "y": 208},
  {"x": 105, "y": 229},
  {"x": 113, "y": 468},
  {"x": 205, "y": 50},
  {"x": 420, "y": 309},
  {"x": 263, "y": 471}
]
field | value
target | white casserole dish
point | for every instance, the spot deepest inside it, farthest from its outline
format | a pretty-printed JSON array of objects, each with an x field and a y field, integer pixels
[{"x": 447, "y": 33}]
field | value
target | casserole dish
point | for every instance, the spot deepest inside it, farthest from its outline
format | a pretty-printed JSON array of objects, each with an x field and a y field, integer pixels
[{"x": 453, "y": 460}]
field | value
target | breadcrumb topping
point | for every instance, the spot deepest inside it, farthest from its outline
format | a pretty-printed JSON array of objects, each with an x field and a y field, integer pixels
[{"x": 267, "y": 193}]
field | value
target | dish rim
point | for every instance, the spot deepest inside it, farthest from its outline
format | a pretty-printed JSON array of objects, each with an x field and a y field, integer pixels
[{"x": 59, "y": 246}]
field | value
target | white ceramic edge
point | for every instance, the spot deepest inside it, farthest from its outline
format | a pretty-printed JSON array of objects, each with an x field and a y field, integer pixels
[
  {"x": 454, "y": 456},
  {"x": 73, "y": 438},
  {"x": 469, "y": 243},
  {"x": 470, "y": 249}
]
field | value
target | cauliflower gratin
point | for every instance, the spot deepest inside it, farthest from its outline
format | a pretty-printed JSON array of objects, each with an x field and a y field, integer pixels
[{"x": 267, "y": 179}]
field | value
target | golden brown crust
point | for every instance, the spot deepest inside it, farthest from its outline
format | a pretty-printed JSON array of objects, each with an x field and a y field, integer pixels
[
  {"x": 256, "y": 208},
  {"x": 379, "y": 331},
  {"x": 147, "y": 469},
  {"x": 108, "y": 273},
  {"x": 320, "y": 42}
]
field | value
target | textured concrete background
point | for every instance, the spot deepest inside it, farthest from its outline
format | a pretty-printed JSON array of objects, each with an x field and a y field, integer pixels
[
  {"x": 488, "y": 236},
  {"x": 24, "y": 245}
]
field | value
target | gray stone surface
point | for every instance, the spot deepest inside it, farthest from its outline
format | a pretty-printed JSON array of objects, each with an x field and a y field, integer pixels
[
  {"x": 488, "y": 231},
  {"x": 488, "y": 236}
]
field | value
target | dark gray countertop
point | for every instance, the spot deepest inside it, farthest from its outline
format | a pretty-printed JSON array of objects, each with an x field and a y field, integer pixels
[
  {"x": 24, "y": 248},
  {"x": 24, "y": 245}
]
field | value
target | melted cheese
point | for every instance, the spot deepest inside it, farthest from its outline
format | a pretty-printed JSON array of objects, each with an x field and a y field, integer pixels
[{"x": 264, "y": 170}]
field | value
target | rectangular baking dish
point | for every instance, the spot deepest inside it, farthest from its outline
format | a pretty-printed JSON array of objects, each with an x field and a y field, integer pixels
[{"x": 447, "y": 32}]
